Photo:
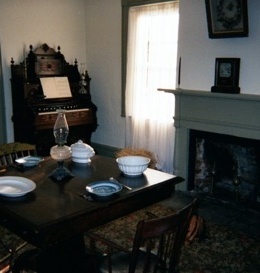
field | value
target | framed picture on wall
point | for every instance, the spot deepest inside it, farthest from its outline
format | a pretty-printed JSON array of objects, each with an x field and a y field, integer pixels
[{"x": 227, "y": 18}]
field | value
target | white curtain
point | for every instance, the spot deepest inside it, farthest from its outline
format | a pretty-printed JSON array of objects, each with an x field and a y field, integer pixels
[
  {"x": 151, "y": 55},
  {"x": 2, "y": 105}
]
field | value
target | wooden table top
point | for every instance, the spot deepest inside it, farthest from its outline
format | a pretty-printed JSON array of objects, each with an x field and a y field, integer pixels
[{"x": 55, "y": 211}]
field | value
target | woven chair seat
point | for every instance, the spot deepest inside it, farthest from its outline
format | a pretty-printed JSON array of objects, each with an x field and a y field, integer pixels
[{"x": 119, "y": 234}]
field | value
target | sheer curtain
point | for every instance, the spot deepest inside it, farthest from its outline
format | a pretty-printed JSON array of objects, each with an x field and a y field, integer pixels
[
  {"x": 151, "y": 55},
  {"x": 2, "y": 105}
]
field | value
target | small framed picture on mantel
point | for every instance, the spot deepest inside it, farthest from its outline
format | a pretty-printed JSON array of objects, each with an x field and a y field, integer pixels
[
  {"x": 227, "y": 18},
  {"x": 226, "y": 76}
]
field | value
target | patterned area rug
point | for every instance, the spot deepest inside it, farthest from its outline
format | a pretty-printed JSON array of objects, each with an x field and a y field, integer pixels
[
  {"x": 8, "y": 241},
  {"x": 220, "y": 250}
]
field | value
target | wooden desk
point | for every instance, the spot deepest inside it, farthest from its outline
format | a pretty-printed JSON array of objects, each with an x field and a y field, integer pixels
[{"x": 54, "y": 216}]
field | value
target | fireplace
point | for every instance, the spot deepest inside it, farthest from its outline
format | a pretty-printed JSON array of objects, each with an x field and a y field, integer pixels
[
  {"x": 227, "y": 115},
  {"x": 225, "y": 167}
]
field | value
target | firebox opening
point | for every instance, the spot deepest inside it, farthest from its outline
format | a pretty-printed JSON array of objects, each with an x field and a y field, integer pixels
[{"x": 224, "y": 166}]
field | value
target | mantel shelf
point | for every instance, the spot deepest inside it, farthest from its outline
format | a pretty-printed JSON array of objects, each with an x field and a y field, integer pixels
[{"x": 209, "y": 94}]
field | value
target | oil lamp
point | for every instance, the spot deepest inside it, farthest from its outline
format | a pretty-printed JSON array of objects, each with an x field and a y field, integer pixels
[{"x": 60, "y": 152}]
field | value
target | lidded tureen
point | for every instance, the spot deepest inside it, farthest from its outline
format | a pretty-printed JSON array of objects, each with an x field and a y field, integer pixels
[{"x": 81, "y": 152}]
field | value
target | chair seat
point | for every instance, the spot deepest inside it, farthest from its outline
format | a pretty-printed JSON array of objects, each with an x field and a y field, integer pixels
[{"x": 119, "y": 234}]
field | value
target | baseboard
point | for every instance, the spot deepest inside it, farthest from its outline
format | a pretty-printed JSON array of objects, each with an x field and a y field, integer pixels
[{"x": 104, "y": 150}]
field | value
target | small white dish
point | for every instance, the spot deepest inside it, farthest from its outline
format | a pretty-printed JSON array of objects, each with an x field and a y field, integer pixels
[
  {"x": 104, "y": 188},
  {"x": 29, "y": 161},
  {"x": 15, "y": 186}
]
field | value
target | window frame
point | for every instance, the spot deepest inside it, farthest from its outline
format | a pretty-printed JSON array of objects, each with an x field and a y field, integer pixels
[{"x": 126, "y": 4}]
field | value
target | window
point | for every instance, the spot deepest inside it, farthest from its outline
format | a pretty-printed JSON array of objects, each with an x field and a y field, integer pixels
[
  {"x": 126, "y": 5},
  {"x": 150, "y": 63}
]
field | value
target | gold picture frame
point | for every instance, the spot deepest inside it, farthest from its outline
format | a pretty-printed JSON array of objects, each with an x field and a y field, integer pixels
[{"x": 227, "y": 18}]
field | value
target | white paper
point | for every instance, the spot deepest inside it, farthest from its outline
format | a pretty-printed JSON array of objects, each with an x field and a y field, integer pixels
[{"x": 55, "y": 87}]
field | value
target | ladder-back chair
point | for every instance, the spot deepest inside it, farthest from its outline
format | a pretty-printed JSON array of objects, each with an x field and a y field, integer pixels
[
  {"x": 10, "y": 244},
  {"x": 154, "y": 247},
  {"x": 11, "y": 151}
]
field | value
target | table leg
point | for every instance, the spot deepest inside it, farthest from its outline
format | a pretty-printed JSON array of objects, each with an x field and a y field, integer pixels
[{"x": 66, "y": 257}]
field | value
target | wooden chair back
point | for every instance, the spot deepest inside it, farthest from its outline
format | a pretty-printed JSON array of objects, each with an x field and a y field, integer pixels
[
  {"x": 164, "y": 238},
  {"x": 9, "y": 242},
  {"x": 11, "y": 151}
]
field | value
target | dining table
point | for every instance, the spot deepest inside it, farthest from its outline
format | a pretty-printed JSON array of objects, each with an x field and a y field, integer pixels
[{"x": 54, "y": 216}]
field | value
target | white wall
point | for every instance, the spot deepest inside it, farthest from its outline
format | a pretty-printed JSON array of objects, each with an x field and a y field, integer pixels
[
  {"x": 197, "y": 51},
  {"x": 98, "y": 42},
  {"x": 55, "y": 22},
  {"x": 104, "y": 65}
]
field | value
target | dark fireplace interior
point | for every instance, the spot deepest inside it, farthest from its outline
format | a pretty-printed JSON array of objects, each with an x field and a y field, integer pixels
[{"x": 225, "y": 167}]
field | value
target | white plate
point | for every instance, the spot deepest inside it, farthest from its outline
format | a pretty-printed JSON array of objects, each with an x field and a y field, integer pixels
[
  {"x": 29, "y": 161},
  {"x": 15, "y": 186},
  {"x": 104, "y": 188}
]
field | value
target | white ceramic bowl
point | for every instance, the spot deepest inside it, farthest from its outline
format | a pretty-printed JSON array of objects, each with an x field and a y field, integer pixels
[{"x": 133, "y": 165}]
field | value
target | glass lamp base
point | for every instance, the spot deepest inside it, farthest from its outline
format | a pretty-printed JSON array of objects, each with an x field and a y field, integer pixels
[
  {"x": 61, "y": 173},
  {"x": 60, "y": 153}
]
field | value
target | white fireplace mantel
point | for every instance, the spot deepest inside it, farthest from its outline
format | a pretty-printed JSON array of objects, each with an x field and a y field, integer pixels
[{"x": 230, "y": 114}]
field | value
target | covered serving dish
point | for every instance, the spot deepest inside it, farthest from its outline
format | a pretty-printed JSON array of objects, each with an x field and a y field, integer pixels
[{"x": 81, "y": 152}]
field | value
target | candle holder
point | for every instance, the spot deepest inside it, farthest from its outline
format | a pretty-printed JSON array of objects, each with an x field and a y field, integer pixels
[
  {"x": 83, "y": 82},
  {"x": 236, "y": 183},
  {"x": 60, "y": 152},
  {"x": 212, "y": 179}
]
